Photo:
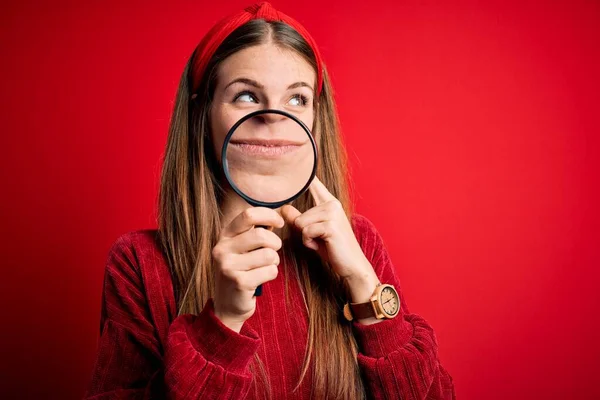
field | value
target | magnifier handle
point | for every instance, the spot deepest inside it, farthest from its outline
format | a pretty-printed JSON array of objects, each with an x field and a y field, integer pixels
[{"x": 258, "y": 290}]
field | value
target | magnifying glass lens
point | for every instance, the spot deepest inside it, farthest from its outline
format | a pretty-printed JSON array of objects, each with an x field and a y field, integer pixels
[{"x": 269, "y": 158}]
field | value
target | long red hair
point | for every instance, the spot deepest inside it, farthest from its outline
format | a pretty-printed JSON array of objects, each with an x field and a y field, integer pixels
[{"x": 190, "y": 220}]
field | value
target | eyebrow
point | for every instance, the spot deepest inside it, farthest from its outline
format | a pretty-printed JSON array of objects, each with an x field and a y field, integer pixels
[{"x": 254, "y": 83}]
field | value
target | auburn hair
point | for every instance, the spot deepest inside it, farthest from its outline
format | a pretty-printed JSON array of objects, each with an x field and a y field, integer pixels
[{"x": 189, "y": 217}]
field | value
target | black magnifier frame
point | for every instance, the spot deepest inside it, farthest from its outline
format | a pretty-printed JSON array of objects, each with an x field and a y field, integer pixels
[{"x": 250, "y": 200}]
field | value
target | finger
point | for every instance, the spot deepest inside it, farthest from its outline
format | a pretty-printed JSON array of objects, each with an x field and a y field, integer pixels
[
  {"x": 290, "y": 213},
  {"x": 250, "y": 280},
  {"x": 311, "y": 233},
  {"x": 319, "y": 192},
  {"x": 253, "y": 216},
  {"x": 312, "y": 216},
  {"x": 255, "y": 259},
  {"x": 291, "y": 216},
  {"x": 321, "y": 230},
  {"x": 254, "y": 239},
  {"x": 311, "y": 244}
]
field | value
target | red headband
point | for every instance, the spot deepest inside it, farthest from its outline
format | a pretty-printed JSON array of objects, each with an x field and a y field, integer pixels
[{"x": 213, "y": 39}]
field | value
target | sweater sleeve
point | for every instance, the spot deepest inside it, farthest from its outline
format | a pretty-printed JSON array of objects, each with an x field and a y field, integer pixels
[
  {"x": 398, "y": 357},
  {"x": 201, "y": 357}
]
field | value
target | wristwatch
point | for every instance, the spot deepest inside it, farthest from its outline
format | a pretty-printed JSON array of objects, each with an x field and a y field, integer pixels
[{"x": 384, "y": 303}]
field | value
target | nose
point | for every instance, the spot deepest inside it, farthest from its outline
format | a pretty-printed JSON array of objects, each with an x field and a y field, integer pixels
[{"x": 270, "y": 118}]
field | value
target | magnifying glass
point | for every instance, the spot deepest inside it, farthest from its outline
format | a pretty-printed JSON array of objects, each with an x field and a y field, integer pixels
[{"x": 269, "y": 158}]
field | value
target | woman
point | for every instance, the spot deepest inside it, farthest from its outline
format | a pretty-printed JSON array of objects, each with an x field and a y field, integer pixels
[{"x": 180, "y": 319}]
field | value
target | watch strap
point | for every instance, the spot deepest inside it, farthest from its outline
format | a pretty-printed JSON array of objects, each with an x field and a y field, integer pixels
[{"x": 362, "y": 310}]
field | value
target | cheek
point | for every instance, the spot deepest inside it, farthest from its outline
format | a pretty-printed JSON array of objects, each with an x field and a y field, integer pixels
[
  {"x": 218, "y": 130},
  {"x": 310, "y": 122},
  {"x": 308, "y": 117}
]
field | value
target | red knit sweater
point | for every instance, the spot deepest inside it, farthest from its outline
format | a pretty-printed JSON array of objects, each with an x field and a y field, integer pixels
[{"x": 147, "y": 351}]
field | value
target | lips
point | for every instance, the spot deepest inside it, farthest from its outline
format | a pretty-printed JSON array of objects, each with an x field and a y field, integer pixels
[
  {"x": 266, "y": 142},
  {"x": 266, "y": 147}
]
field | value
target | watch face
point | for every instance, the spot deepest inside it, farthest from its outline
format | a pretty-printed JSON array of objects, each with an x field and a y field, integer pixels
[{"x": 389, "y": 301}]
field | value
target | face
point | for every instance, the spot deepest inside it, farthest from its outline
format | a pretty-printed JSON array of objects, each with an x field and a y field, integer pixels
[{"x": 270, "y": 157}]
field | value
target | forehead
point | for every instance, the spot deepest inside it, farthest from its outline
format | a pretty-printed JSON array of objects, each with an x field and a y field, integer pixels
[{"x": 269, "y": 64}]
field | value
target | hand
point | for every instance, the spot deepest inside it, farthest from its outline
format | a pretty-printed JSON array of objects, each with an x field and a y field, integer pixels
[
  {"x": 326, "y": 229},
  {"x": 244, "y": 258}
]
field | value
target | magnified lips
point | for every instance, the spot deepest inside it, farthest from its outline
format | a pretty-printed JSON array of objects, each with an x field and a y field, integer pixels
[
  {"x": 266, "y": 142},
  {"x": 265, "y": 146}
]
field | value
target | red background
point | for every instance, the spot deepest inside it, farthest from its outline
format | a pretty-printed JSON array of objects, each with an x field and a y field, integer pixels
[{"x": 473, "y": 131}]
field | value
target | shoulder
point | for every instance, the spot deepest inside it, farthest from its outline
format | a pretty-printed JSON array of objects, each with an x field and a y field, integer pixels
[
  {"x": 363, "y": 228},
  {"x": 361, "y": 223},
  {"x": 370, "y": 241},
  {"x": 137, "y": 290},
  {"x": 136, "y": 267},
  {"x": 135, "y": 242},
  {"x": 132, "y": 251}
]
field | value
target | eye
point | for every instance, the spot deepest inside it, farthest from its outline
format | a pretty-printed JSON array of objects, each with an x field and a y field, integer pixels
[
  {"x": 298, "y": 100},
  {"x": 246, "y": 97}
]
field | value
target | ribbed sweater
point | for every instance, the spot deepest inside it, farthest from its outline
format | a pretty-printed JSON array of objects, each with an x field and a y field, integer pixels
[{"x": 147, "y": 351}]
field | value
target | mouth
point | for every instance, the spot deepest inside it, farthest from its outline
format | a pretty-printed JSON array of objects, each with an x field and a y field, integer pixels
[{"x": 266, "y": 147}]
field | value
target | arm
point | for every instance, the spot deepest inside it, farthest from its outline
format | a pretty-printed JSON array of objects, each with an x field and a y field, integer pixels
[
  {"x": 201, "y": 357},
  {"x": 398, "y": 357}
]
